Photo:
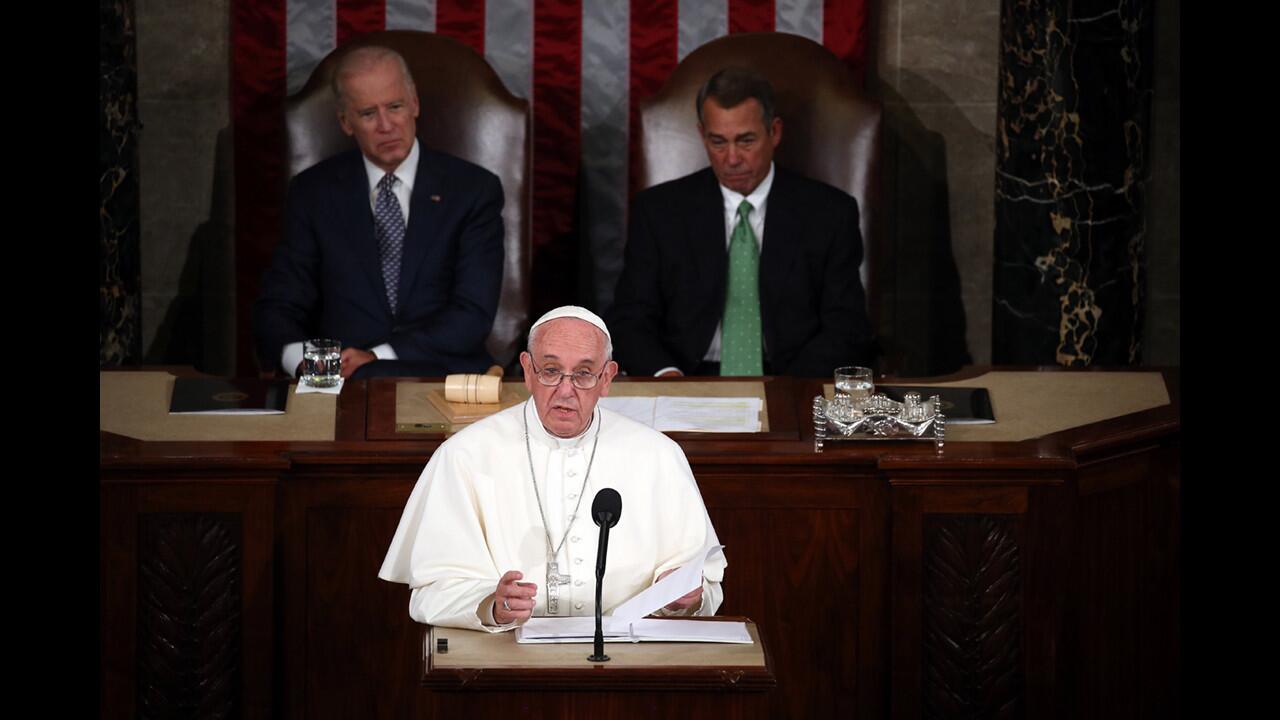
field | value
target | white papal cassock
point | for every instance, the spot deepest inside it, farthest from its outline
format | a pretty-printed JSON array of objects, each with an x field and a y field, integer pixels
[{"x": 473, "y": 516}]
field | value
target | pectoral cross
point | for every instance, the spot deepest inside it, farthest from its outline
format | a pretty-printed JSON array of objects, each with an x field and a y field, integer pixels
[{"x": 554, "y": 581}]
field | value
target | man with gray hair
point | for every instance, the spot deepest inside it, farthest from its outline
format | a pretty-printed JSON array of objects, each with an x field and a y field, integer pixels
[
  {"x": 498, "y": 528},
  {"x": 742, "y": 268},
  {"x": 392, "y": 249}
]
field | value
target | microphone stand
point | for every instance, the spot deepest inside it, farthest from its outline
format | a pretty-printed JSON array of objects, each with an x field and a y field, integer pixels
[{"x": 605, "y": 524}]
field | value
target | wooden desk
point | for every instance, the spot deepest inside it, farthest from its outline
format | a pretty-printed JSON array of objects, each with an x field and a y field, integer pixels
[{"x": 1039, "y": 576}]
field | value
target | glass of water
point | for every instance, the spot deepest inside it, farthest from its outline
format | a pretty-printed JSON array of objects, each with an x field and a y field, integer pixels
[
  {"x": 321, "y": 362},
  {"x": 854, "y": 383}
]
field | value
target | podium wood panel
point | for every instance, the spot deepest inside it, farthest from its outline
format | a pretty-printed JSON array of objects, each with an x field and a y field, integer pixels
[{"x": 484, "y": 673}]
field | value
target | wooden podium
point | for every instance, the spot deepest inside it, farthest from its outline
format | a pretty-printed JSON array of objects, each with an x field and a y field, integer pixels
[{"x": 488, "y": 675}]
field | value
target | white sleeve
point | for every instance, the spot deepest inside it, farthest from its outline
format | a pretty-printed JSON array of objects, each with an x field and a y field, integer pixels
[
  {"x": 384, "y": 352},
  {"x": 440, "y": 549},
  {"x": 693, "y": 535},
  {"x": 291, "y": 358}
]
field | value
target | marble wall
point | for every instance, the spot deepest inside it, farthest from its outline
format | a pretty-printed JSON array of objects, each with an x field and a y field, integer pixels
[
  {"x": 1072, "y": 174},
  {"x": 185, "y": 169},
  {"x": 935, "y": 69},
  {"x": 119, "y": 329},
  {"x": 1162, "y": 336}
]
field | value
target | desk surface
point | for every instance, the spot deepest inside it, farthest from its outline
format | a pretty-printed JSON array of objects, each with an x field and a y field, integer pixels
[
  {"x": 1082, "y": 406},
  {"x": 475, "y": 649},
  {"x": 136, "y": 405}
]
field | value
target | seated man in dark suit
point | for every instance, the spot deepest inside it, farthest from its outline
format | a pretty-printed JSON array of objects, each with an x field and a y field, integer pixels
[
  {"x": 393, "y": 250},
  {"x": 742, "y": 268}
]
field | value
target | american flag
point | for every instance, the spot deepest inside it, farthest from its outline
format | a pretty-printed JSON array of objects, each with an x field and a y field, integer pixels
[{"x": 583, "y": 66}]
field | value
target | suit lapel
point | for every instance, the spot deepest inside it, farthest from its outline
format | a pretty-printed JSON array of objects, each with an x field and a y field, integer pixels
[
  {"x": 708, "y": 234},
  {"x": 782, "y": 225},
  {"x": 353, "y": 198},
  {"x": 424, "y": 217}
]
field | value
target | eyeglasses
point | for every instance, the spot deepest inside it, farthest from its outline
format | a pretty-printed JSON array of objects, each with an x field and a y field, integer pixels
[{"x": 551, "y": 377}]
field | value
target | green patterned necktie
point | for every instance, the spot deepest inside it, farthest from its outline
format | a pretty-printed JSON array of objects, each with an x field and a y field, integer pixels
[{"x": 740, "y": 347}]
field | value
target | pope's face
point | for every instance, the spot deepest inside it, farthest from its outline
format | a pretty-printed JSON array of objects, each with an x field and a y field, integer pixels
[
  {"x": 739, "y": 146},
  {"x": 570, "y": 346},
  {"x": 380, "y": 111}
]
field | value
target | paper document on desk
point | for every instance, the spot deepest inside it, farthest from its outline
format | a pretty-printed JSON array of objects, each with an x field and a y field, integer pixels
[
  {"x": 740, "y": 414},
  {"x": 690, "y": 414},
  {"x": 639, "y": 409},
  {"x": 583, "y": 630}
]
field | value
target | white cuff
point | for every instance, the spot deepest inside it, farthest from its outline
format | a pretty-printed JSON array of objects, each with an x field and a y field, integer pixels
[
  {"x": 485, "y": 613},
  {"x": 669, "y": 367},
  {"x": 384, "y": 352},
  {"x": 291, "y": 358}
]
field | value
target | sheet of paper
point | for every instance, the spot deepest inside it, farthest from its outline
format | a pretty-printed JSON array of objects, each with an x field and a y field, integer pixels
[
  {"x": 639, "y": 409},
  {"x": 571, "y": 629},
  {"x": 703, "y": 414},
  {"x": 302, "y": 388},
  {"x": 690, "y": 414},
  {"x": 685, "y": 579}
]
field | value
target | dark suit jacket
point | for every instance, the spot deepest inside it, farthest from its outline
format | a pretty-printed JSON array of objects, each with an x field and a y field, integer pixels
[
  {"x": 670, "y": 296},
  {"x": 325, "y": 278}
]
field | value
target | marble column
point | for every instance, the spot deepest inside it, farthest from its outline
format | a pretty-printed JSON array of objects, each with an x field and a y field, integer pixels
[
  {"x": 1072, "y": 133},
  {"x": 120, "y": 266}
]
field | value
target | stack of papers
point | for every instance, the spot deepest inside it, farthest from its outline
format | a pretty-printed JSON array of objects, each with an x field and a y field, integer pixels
[{"x": 690, "y": 414}]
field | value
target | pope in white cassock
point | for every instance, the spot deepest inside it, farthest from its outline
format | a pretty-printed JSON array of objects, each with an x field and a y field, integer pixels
[{"x": 499, "y": 526}]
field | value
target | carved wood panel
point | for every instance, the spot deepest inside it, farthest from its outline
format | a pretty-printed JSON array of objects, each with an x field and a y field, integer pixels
[
  {"x": 972, "y": 602},
  {"x": 189, "y": 615}
]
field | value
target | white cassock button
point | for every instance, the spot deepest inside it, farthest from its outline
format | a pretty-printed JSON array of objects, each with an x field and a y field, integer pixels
[
  {"x": 577, "y": 583},
  {"x": 577, "y": 606},
  {"x": 572, "y": 473},
  {"x": 573, "y": 495},
  {"x": 577, "y": 561},
  {"x": 575, "y": 538}
]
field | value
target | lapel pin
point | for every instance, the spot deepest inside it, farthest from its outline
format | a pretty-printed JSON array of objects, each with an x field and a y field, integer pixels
[{"x": 435, "y": 198}]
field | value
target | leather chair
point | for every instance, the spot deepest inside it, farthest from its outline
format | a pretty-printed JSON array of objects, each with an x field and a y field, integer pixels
[
  {"x": 467, "y": 112},
  {"x": 830, "y": 129}
]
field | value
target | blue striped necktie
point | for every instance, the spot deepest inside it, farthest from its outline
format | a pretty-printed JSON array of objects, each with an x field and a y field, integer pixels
[{"x": 388, "y": 226}]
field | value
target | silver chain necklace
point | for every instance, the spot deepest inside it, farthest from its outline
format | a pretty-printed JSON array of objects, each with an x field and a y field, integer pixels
[{"x": 554, "y": 578}]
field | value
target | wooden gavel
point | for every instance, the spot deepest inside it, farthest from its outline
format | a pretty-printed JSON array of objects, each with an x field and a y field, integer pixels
[{"x": 473, "y": 388}]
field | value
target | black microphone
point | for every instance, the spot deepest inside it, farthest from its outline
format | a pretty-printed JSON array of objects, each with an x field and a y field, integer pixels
[{"x": 606, "y": 510}]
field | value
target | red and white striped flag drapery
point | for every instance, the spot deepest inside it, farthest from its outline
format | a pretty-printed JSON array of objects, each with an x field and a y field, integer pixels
[{"x": 584, "y": 66}]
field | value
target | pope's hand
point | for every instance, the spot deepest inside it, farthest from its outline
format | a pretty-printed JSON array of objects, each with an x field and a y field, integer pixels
[
  {"x": 513, "y": 600},
  {"x": 691, "y": 599}
]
